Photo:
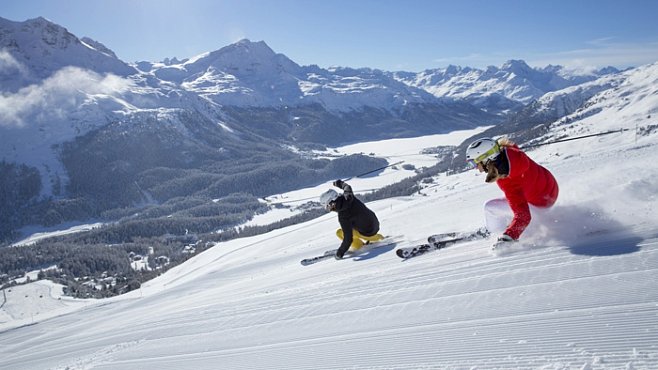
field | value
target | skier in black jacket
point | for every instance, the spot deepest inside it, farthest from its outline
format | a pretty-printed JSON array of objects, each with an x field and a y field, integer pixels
[{"x": 357, "y": 222}]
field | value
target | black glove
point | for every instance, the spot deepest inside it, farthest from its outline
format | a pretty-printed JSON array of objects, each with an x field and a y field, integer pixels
[
  {"x": 339, "y": 183},
  {"x": 347, "y": 192}
]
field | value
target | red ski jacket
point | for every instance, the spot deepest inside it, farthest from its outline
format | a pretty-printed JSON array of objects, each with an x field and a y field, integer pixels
[{"x": 527, "y": 183}]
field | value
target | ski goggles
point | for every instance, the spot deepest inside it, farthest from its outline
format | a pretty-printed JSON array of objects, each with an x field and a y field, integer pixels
[
  {"x": 471, "y": 163},
  {"x": 474, "y": 162}
]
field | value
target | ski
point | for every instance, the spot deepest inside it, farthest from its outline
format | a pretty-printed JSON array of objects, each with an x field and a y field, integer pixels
[
  {"x": 440, "y": 241},
  {"x": 406, "y": 253},
  {"x": 312, "y": 260},
  {"x": 477, "y": 234},
  {"x": 332, "y": 252}
]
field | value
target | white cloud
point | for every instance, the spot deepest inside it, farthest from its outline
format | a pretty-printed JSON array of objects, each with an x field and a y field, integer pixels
[
  {"x": 235, "y": 33},
  {"x": 602, "y": 53},
  {"x": 57, "y": 95},
  {"x": 8, "y": 64}
]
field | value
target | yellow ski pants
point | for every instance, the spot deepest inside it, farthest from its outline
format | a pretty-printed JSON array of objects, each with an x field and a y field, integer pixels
[{"x": 358, "y": 240}]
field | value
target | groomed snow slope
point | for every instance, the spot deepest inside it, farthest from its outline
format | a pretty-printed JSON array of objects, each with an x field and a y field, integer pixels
[{"x": 579, "y": 292}]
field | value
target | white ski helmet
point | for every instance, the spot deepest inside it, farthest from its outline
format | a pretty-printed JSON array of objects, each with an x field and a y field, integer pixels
[
  {"x": 328, "y": 197},
  {"x": 482, "y": 150}
]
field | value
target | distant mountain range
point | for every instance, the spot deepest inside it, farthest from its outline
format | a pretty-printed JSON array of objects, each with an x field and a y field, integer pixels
[
  {"x": 108, "y": 134},
  {"x": 250, "y": 74},
  {"x": 510, "y": 86}
]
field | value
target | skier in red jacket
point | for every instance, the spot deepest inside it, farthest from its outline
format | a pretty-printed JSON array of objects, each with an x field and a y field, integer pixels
[{"x": 524, "y": 183}]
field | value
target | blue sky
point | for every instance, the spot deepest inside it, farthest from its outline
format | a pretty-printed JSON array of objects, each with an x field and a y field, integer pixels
[{"x": 410, "y": 35}]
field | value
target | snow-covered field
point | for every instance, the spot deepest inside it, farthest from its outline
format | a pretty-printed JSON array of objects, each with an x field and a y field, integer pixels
[
  {"x": 406, "y": 152},
  {"x": 37, "y": 301},
  {"x": 580, "y": 291},
  {"x": 36, "y": 234}
]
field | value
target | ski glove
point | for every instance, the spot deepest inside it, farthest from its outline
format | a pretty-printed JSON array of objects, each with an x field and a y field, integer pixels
[{"x": 347, "y": 190}]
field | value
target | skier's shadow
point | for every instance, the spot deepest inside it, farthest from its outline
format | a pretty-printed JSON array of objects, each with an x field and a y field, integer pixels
[
  {"x": 600, "y": 247},
  {"x": 374, "y": 252}
]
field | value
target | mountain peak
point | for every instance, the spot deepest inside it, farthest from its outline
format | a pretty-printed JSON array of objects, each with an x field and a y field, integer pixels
[
  {"x": 251, "y": 47},
  {"x": 452, "y": 69},
  {"x": 247, "y": 42},
  {"x": 607, "y": 70},
  {"x": 39, "y": 20},
  {"x": 244, "y": 56},
  {"x": 49, "y": 33},
  {"x": 44, "y": 47},
  {"x": 515, "y": 64}
]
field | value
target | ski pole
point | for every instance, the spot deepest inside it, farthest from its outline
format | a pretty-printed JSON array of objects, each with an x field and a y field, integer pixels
[
  {"x": 575, "y": 138},
  {"x": 375, "y": 170}
]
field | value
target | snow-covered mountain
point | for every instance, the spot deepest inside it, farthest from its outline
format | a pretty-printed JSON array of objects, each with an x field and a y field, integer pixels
[
  {"x": 251, "y": 74},
  {"x": 58, "y": 88},
  {"x": 630, "y": 103},
  {"x": 69, "y": 103},
  {"x": 36, "y": 49},
  {"x": 512, "y": 85},
  {"x": 577, "y": 292},
  {"x": 578, "y": 102}
]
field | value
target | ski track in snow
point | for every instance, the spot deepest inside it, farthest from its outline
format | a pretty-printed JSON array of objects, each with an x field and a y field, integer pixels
[
  {"x": 577, "y": 293},
  {"x": 443, "y": 318}
]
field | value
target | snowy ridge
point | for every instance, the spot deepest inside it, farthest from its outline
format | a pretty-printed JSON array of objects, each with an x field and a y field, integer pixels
[
  {"x": 37, "y": 40},
  {"x": 631, "y": 101},
  {"x": 514, "y": 81},
  {"x": 578, "y": 292},
  {"x": 57, "y": 87},
  {"x": 251, "y": 74}
]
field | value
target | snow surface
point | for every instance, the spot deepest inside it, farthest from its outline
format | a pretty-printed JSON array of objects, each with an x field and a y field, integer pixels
[
  {"x": 409, "y": 151},
  {"x": 578, "y": 292},
  {"x": 28, "y": 304},
  {"x": 37, "y": 233}
]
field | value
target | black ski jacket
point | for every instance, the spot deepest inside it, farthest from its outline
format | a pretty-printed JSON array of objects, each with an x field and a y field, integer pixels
[{"x": 353, "y": 214}]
